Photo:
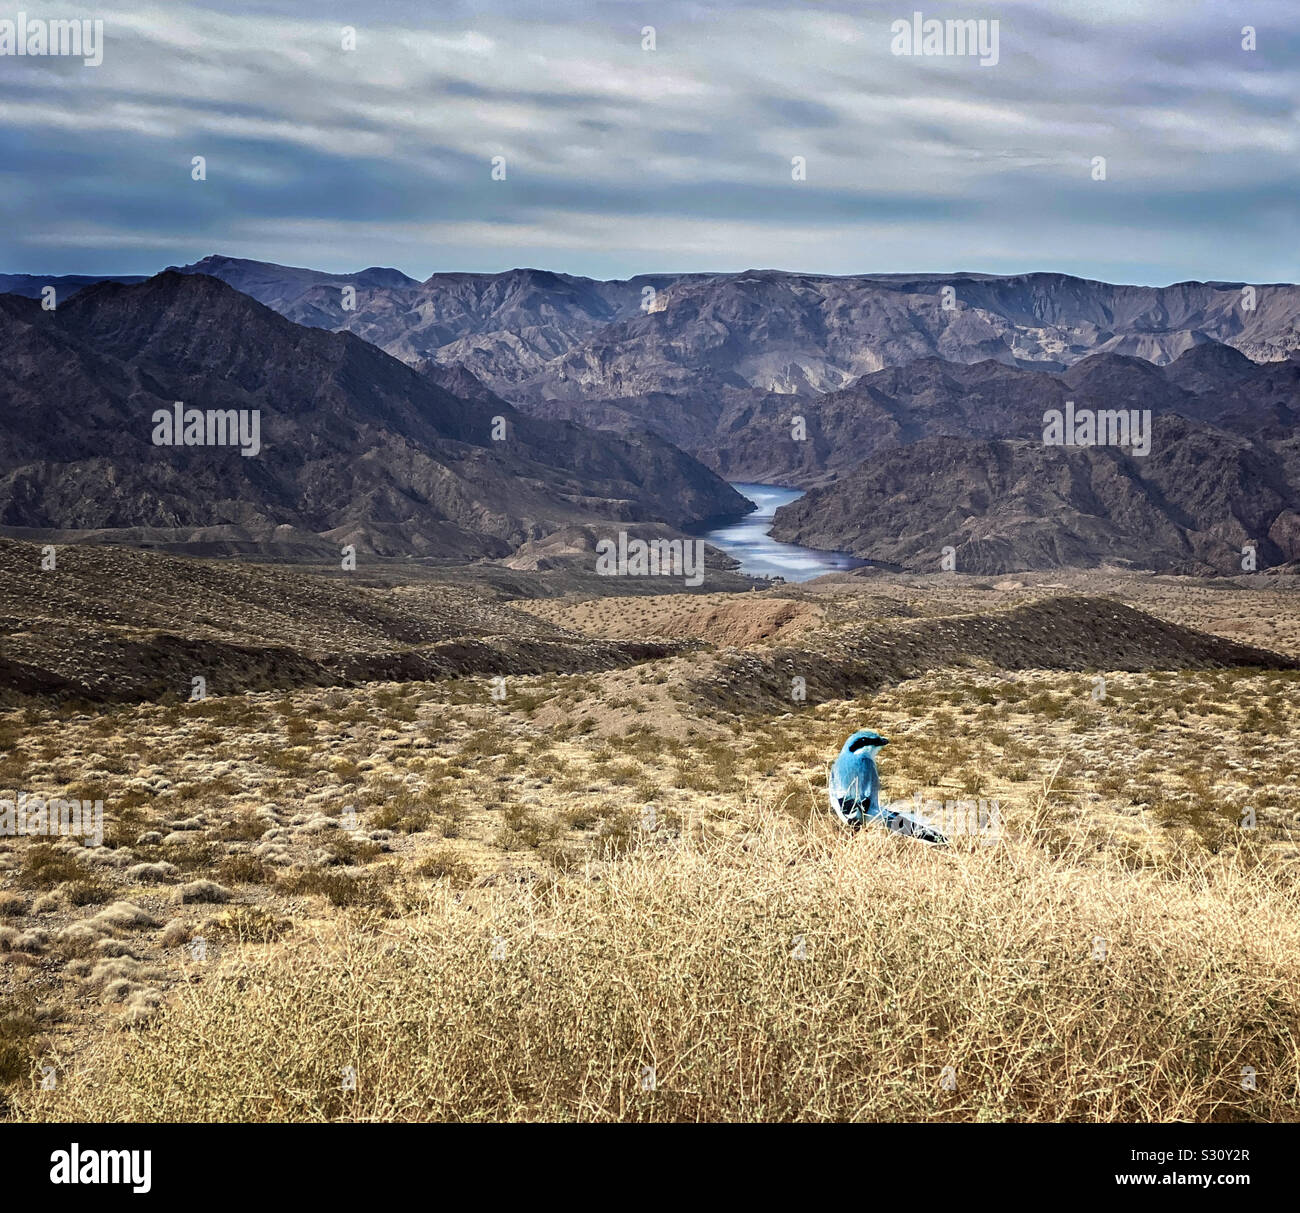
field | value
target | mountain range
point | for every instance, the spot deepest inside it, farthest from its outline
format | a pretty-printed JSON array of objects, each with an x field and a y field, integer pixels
[
  {"x": 912, "y": 407},
  {"x": 553, "y": 335}
]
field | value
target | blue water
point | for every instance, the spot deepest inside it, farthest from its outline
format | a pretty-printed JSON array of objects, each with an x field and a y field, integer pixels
[{"x": 760, "y": 555}]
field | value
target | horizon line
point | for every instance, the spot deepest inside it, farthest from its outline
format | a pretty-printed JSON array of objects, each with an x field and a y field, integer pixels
[{"x": 858, "y": 274}]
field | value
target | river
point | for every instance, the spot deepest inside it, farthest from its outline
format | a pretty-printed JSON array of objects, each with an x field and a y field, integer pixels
[{"x": 760, "y": 555}]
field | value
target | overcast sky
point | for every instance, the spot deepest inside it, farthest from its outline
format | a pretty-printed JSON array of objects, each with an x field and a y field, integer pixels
[{"x": 621, "y": 160}]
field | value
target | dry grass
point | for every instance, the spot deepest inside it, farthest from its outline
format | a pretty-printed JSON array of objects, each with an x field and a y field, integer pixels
[{"x": 766, "y": 970}]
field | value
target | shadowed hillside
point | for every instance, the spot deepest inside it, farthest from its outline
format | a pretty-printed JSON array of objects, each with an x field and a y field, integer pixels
[
  {"x": 113, "y": 624},
  {"x": 1068, "y": 633}
]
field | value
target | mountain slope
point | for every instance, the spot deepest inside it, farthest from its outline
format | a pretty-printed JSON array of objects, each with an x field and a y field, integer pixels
[
  {"x": 1008, "y": 505},
  {"x": 751, "y": 436},
  {"x": 356, "y": 446},
  {"x": 280, "y": 286}
]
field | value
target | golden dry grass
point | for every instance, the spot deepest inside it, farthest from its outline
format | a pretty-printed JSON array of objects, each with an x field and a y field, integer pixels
[{"x": 766, "y": 970}]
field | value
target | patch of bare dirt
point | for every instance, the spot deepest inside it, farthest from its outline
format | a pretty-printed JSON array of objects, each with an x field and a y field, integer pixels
[{"x": 725, "y": 619}]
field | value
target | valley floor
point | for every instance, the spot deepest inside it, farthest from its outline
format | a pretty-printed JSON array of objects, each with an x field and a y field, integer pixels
[{"x": 612, "y": 890}]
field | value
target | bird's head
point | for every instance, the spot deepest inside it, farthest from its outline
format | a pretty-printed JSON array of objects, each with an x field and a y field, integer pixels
[{"x": 866, "y": 741}]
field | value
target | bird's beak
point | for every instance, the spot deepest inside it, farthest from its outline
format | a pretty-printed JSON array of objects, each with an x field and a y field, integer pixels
[{"x": 882, "y": 741}]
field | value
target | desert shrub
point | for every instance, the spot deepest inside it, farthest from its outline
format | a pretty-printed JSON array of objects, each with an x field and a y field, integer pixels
[
  {"x": 195, "y": 856},
  {"x": 447, "y": 864},
  {"x": 346, "y": 847},
  {"x": 245, "y": 826},
  {"x": 799, "y": 799},
  {"x": 581, "y": 814},
  {"x": 249, "y": 924},
  {"x": 292, "y": 761},
  {"x": 402, "y": 810},
  {"x": 347, "y": 770},
  {"x": 348, "y": 891},
  {"x": 523, "y": 829},
  {"x": 481, "y": 743},
  {"x": 87, "y": 892},
  {"x": 44, "y": 866},
  {"x": 242, "y": 868},
  {"x": 618, "y": 831},
  {"x": 451, "y": 821},
  {"x": 19, "y": 1043}
]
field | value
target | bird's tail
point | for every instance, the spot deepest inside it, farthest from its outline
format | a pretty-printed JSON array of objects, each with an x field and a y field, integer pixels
[{"x": 907, "y": 824}]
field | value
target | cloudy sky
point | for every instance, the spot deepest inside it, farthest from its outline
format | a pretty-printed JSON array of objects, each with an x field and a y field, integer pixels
[{"x": 621, "y": 160}]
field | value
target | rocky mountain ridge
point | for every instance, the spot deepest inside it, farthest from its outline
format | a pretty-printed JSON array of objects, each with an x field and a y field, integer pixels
[{"x": 355, "y": 447}]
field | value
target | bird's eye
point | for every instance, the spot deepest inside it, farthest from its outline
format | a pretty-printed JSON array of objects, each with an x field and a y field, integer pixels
[{"x": 857, "y": 745}]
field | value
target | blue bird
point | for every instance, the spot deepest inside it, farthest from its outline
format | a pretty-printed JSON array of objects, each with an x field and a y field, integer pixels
[{"x": 853, "y": 787}]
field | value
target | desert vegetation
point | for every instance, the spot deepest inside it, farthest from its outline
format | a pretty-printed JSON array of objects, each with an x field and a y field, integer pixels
[
  {"x": 617, "y": 894},
  {"x": 755, "y": 969}
]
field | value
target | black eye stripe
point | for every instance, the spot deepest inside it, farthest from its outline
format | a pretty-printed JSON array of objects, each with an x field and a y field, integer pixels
[{"x": 857, "y": 745}]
